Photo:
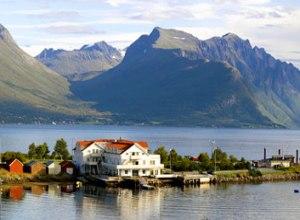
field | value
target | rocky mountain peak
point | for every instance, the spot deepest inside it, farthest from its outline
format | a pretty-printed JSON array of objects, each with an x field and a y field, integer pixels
[{"x": 4, "y": 34}]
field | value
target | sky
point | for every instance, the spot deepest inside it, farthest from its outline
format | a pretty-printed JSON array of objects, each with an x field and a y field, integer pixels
[{"x": 70, "y": 24}]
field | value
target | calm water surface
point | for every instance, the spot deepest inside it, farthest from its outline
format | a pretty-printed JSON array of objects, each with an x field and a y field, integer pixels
[
  {"x": 263, "y": 201},
  {"x": 248, "y": 143}
]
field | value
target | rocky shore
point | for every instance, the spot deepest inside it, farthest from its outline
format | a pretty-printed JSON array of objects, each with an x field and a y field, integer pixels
[{"x": 246, "y": 178}]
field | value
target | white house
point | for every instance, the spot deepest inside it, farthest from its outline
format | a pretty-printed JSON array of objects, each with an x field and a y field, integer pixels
[
  {"x": 87, "y": 155},
  {"x": 116, "y": 158}
]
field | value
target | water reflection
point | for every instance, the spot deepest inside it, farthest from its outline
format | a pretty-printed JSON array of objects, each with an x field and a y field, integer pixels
[
  {"x": 14, "y": 193},
  {"x": 17, "y": 192},
  {"x": 245, "y": 201}
]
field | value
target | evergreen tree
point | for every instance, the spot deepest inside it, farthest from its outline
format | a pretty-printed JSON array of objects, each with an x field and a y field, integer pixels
[
  {"x": 61, "y": 149},
  {"x": 32, "y": 151}
]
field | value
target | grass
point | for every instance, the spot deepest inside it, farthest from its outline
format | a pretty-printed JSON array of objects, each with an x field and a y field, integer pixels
[{"x": 8, "y": 177}]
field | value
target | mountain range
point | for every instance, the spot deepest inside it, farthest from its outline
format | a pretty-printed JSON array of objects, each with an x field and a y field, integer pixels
[
  {"x": 30, "y": 92},
  {"x": 84, "y": 63},
  {"x": 168, "y": 77},
  {"x": 171, "y": 77}
]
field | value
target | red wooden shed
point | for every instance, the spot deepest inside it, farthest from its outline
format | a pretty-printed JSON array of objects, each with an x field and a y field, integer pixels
[{"x": 15, "y": 166}]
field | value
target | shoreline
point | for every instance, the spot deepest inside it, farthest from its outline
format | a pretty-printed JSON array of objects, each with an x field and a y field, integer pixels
[
  {"x": 230, "y": 176},
  {"x": 160, "y": 183}
]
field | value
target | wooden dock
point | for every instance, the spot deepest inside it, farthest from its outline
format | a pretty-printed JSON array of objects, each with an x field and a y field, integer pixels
[
  {"x": 194, "y": 179},
  {"x": 161, "y": 180}
]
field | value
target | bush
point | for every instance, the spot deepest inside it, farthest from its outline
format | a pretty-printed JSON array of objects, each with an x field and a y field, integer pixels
[{"x": 255, "y": 172}]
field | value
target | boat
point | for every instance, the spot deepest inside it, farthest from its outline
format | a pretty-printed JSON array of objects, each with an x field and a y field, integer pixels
[
  {"x": 148, "y": 187},
  {"x": 296, "y": 190}
]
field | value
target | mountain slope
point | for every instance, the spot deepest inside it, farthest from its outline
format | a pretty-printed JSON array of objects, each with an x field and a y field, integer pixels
[
  {"x": 275, "y": 84},
  {"x": 164, "y": 79},
  {"x": 82, "y": 64},
  {"x": 31, "y": 92}
]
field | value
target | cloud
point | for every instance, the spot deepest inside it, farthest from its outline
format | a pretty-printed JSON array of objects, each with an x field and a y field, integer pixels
[
  {"x": 47, "y": 14},
  {"x": 271, "y": 24},
  {"x": 69, "y": 29}
]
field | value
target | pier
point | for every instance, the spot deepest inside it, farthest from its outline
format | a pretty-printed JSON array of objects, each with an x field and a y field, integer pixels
[{"x": 176, "y": 179}]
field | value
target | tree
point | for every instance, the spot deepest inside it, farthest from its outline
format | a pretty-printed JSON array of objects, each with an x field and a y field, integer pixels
[
  {"x": 32, "y": 151},
  {"x": 42, "y": 151},
  {"x": 233, "y": 159},
  {"x": 61, "y": 149},
  {"x": 163, "y": 154},
  {"x": 203, "y": 158},
  {"x": 204, "y": 161},
  {"x": 11, "y": 155}
]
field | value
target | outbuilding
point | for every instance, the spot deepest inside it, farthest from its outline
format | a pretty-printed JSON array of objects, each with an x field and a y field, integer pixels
[
  {"x": 67, "y": 167},
  {"x": 15, "y": 166},
  {"x": 53, "y": 167},
  {"x": 35, "y": 167}
]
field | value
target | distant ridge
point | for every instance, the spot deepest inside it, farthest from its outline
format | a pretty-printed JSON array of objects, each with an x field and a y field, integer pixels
[{"x": 84, "y": 63}]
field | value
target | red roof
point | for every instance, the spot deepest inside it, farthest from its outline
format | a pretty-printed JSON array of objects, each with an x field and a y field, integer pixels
[{"x": 119, "y": 144}]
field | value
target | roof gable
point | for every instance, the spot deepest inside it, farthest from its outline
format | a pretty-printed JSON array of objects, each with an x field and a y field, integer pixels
[
  {"x": 14, "y": 161},
  {"x": 138, "y": 146}
]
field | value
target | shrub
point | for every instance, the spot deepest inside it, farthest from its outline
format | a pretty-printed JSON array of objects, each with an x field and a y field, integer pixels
[{"x": 255, "y": 172}]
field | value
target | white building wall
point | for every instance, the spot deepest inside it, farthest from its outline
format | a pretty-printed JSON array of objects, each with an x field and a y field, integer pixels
[
  {"x": 54, "y": 169},
  {"x": 90, "y": 156},
  {"x": 134, "y": 161}
]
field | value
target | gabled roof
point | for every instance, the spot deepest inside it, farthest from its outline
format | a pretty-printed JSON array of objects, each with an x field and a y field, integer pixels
[
  {"x": 31, "y": 163},
  {"x": 138, "y": 145},
  {"x": 12, "y": 161},
  {"x": 49, "y": 162},
  {"x": 118, "y": 144},
  {"x": 66, "y": 162}
]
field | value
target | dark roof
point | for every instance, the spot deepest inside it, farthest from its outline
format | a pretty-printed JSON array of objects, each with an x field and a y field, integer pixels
[
  {"x": 29, "y": 164},
  {"x": 49, "y": 162},
  {"x": 66, "y": 162}
]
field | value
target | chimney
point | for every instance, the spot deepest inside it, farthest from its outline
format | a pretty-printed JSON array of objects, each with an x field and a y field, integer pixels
[
  {"x": 265, "y": 154},
  {"x": 279, "y": 152},
  {"x": 297, "y": 156}
]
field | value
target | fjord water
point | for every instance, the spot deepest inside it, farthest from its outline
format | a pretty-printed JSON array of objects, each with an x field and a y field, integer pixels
[
  {"x": 248, "y": 143},
  {"x": 240, "y": 201},
  {"x": 248, "y": 201}
]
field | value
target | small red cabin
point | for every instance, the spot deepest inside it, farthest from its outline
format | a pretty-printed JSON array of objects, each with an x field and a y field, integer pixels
[
  {"x": 15, "y": 166},
  {"x": 67, "y": 167}
]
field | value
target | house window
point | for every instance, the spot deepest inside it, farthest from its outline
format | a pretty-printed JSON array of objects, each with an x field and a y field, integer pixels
[
  {"x": 137, "y": 153},
  {"x": 133, "y": 153},
  {"x": 152, "y": 162},
  {"x": 94, "y": 151},
  {"x": 136, "y": 163},
  {"x": 126, "y": 171},
  {"x": 144, "y": 162},
  {"x": 144, "y": 171}
]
